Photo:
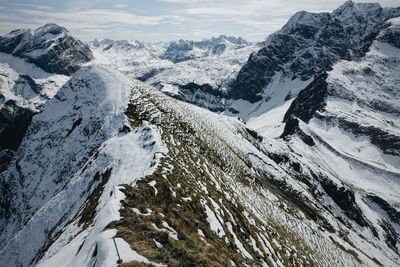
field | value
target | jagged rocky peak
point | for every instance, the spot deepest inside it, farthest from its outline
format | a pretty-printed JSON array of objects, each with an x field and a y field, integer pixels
[
  {"x": 49, "y": 29},
  {"x": 351, "y": 11},
  {"x": 391, "y": 33},
  {"x": 95, "y": 43},
  {"x": 104, "y": 42},
  {"x": 358, "y": 99},
  {"x": 107, "y": 44},
  {"x": 10, "y": 41},
  {"x": 310, "y": 43},
  {"x": 231, "y": 39},
  {"x": 184, "y": 50},
  {"x": 50, "y": 47},
  {"x": 302, "y": 21}
]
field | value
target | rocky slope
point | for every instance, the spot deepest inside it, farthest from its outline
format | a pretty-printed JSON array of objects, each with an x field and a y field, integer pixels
[
  {"x": 184, "y": 50},
  {"x": 308, "y": 44},
  {"x": 349, "y": 117},
  {"x": 113, "y": 171},
  {"x": 24, "y": 88},
  {"x": 175, "y": 185},
  {"x": 200, "y": 77},
  {"x": 30, "y": 68},
  {"x": 50, "y": 47}
]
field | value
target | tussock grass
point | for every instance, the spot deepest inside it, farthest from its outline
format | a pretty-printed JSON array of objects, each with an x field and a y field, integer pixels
[{"x": 201, "y": 169}]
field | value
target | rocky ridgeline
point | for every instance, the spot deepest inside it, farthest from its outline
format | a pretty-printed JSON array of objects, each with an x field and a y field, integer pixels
[
  {"x": 50, "y": 47},
  {"x": 184, "y": 50},
  {"x": 311, "y": 43}
]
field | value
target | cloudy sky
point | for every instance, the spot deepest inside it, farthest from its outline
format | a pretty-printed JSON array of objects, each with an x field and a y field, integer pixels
[{"x": 161, "y": 20}]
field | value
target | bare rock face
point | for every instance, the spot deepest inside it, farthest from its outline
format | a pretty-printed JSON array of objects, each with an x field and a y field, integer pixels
[
  {"x": 50, "y": 47},
  {"x": 311, "y": 43},
  {"x": 14, "y": 121}
]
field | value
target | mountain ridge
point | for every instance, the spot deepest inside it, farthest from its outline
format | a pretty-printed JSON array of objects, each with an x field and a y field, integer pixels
[
  {"x": 50, "y": 47},
  {"x": 112, "y": 168}
]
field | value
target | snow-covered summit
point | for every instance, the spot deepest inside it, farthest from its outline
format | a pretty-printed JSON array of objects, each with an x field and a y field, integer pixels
[
  {"x": 158, "y": 176},
  {"x": 351, "y": 11},
  {"x": 308, "y": 44},
  {"x": 50, "y": 47},
  {"x": 183, "y": 50},
  {"x": 230, "y": 39},
  {"x": 113, "y": 169},
  {"x": 186, "y": 79},
  {"x": 77, "y": 136}
]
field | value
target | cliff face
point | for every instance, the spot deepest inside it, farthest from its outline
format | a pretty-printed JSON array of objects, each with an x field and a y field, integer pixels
[
  {"x": 50, "y": 47},
  {"x": 113, "y": 169},
  {"x": 173, "y": 183},
  {"x": 310, "y": 43}
]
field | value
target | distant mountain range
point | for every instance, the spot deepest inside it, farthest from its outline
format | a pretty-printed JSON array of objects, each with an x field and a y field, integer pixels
[{"x": 214, "y": 153}]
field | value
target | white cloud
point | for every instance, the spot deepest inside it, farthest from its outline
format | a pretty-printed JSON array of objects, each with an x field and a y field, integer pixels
[
  {"x": 96, "y": 17},
  {"x": 6, "y": 27},
  {"x": 120, "y": 5},
  {"x": 169, "y": 18},
  {"x": 212, "y": 11},
  {"x": 34, "y": 6},
  {"x": 184, "y": 1}
]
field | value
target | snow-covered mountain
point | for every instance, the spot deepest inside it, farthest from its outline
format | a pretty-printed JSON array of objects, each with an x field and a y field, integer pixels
[
  {"x": 50, "y": 47},
  {"x": 113, "y": 169},
  {"x": 200, "y": 78},
  {"x": 184, "y": 50},
  {"x": 176, "y": 185},
  {"x": 307, "y": 45},
  {"x": 248, "y": 80},
  {"x": 131, "y": 57},
  {"x": 348, "y": 118},
  {"x": 33, "y": 66},
  {"x": 24, "y": 88}
]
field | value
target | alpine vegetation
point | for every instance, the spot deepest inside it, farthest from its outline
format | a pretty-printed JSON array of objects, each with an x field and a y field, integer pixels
[{"x": 220, "y": 152}]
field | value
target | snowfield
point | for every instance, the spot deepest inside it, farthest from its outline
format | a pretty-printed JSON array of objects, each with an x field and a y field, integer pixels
[
  {"x": 71, "y": 155},
  {"x": 12, "y": 88},
  {"x": 149, "y": 154}
]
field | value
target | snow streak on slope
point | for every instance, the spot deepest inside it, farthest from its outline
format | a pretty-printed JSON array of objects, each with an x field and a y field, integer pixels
[
  {"x": 345, "y": 125},
  {"x": 214, "y": 163},
  {"x": 205, "y": 70},
  {"x": 270, "y": 123},
  {"x": 50, "y": 47},
  {"x": 24, "y": 88},
  {"x": 78, "y": 141},
  {"x": 132, "y": 58},
  {"x": 219, "y": 192},
  {"x": 280, "y": 90},
  {"x": 26, "y": 84}
]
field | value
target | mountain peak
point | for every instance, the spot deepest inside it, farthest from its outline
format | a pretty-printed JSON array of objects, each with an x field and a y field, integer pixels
[
  {"x": 310, "y": 43},
  {"x": 351, "y": 9},
  {"x": 51, "y": 28},
  {"x": 183, "y": 50},
  {"x": 50, "y": 47},
  {"x": 306, "y": 18},
  {"x": 231, "y": 39}
]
